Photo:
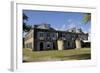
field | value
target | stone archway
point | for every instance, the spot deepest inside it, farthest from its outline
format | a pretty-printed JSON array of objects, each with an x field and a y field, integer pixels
[
  {"x": 41, "y": 46},
  {"x": 54, "y": 47}
]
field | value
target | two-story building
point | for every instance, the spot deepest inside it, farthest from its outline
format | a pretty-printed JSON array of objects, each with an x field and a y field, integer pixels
[{"x": 44, "y": 37}]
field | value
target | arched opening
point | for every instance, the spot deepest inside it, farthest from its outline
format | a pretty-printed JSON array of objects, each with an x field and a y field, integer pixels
[
  {"x": 54, "y": 46},
  {"x": 68, "y": 43},
  {"x": 41, "y": 46}
]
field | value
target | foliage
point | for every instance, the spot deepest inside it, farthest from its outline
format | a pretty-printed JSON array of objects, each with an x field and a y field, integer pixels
[
  {"x": 87, "y": 17},
  {"x": 26, "y": 27}
]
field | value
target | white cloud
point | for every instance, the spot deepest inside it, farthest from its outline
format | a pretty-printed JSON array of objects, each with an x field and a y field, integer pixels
[
  {"x": 64, "y": 27},
  {"x": 71, "y": 25}
]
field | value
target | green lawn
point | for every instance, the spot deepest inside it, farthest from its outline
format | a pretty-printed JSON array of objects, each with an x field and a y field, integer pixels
[{"x": 55, "y": 55}]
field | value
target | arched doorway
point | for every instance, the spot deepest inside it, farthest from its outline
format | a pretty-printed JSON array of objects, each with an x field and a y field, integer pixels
[
  {"x": 54, "y": 46},
  {"x": 41, "y": 46}
]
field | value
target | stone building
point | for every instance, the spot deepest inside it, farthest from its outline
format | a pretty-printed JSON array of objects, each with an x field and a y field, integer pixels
[{"x": 44, "y": 37}]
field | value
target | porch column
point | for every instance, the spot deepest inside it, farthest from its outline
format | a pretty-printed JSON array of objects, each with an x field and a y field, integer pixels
[
  {"x": 78, "y": 43},
  {"x": 60, "y": 44}
]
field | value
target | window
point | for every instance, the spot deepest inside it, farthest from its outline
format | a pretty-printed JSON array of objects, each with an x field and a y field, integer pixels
[
  {"x": 72, "y": 30},
  {"x": 48, "y": 46},
  {"x": 48, "y": 34},
  {"x": 73, "y": 37},
  {"x": 41, "y": 34},
  {"x": 62, "y": 35},
  {"x": 53, "y": 35},
  {"x": 68, "y": 36}
]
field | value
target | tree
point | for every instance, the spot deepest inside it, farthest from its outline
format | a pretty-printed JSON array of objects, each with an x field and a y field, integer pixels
[
  {"x": 87, "y": 17},
  {"x": 25, "y": 17},
  {"x": 26, "y": 27}
]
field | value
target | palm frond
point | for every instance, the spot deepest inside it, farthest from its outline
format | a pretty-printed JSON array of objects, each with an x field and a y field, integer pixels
[{"x": 87, "y": 17}]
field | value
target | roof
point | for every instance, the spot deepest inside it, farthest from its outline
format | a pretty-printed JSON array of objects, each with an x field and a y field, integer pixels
[
  {"x": 75, "y": 30},
  {"x": 86, "y": 41},
  {"x": 44, "y": 26}
]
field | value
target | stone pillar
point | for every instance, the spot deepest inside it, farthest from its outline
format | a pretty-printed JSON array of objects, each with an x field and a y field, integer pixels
[
  {"x": 78, "y": 43},
  {"x": 60, "y": 44}
]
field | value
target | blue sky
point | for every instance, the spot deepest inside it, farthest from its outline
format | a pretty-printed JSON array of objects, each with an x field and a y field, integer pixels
[{"x": 58, "y": 20}]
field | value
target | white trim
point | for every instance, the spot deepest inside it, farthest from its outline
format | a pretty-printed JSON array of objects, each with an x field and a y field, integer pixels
[{"x": 13, "y": 37}]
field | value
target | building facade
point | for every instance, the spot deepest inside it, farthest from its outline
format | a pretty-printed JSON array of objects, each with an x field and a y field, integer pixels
[{"x": 44, "y": 37}]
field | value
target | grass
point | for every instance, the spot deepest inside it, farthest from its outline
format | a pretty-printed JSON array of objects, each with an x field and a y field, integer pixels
[{"x": 55, "y": 55}]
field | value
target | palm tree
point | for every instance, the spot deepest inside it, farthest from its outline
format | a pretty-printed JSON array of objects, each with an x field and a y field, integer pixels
[{"x": 87, "y": 17}]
